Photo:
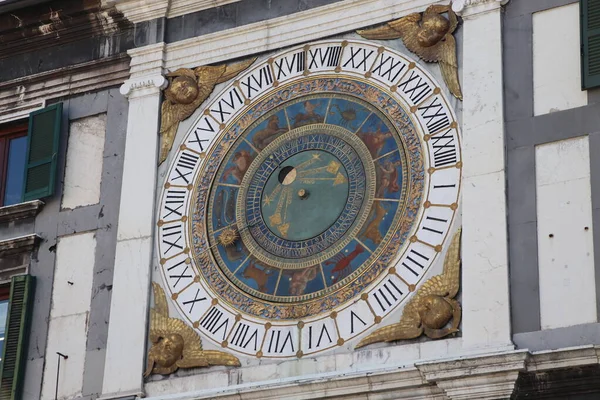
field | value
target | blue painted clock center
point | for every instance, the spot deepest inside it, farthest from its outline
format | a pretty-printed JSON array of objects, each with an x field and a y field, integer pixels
[{"x": 305, "y": 195}]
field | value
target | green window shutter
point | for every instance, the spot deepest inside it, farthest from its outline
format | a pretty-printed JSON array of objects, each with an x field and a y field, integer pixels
[
  {"x": 15, "y": 341},
  {"x": 590, "y": 43},
  {"x": 42, "y": 152}
]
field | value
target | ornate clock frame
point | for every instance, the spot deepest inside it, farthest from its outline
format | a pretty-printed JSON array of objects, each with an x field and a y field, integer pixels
[{"x": 398, "y": 88}]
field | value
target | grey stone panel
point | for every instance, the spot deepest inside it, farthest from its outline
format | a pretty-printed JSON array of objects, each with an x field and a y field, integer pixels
[
  {"x": 578, "y": 335},
  {"x": 523, "y": 132},
  {"x": 60, "y": 56},
  {"x": 524, "y": 277},
  {"x": 522, "y": 197},
  {"x": 102, "y": 218},
  {"x": 93, "y": 371},
  {"x": 595, "y": 184},
  {"x": 594, "y": 95},
  {"x": 42, "y": 267},
  {"x": 233, "y": 15},
  {"x": 518, "y": 65},
  {"x": 149, "y": 32},
  {"x": 522, "y": 233},
  {"x": 519, "y": 7},
  {"x": 552, "y": 127}
]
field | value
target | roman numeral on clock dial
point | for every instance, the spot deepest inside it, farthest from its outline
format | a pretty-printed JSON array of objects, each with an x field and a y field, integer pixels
[
  {"x": 320, "y": 57},
  {"x": 227, "y": 105},
  {"x": 289, "y": 65},
  {"x": 281, "y": 341},
  {"x": 216, "y": 322},
  {"x": 246, "y": 336},
  {"x": 256, "y": 82},
  {"x": 318, "y": 335},
  {"x": 171, "y": 237},
  {"x": 389, "y": 68},
  {"x": 358, "y": 58},
  {"x": 387, "y": 295}
]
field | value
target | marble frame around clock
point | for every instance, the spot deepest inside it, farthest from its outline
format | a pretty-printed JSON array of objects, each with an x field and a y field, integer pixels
[{"x": 400, "y": 78}]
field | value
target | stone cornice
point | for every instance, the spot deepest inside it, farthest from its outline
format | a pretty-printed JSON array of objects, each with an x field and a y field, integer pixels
[
  {"x": 489, "y": 376},
  {"x": 33, "y": 28},
  {"x": 21, "y": 244},
  {"x": 482, "y": 377},
  {"x": 276, "y": 33},
  {"x": 145, "y": 10},
  {"x": 19, "y": 97},
  {"x": 466, "y": 8},
  {"x": 20, "y": 211},
  {"x": 139, "y": 10},
  {"x": 182, "y": 7}
]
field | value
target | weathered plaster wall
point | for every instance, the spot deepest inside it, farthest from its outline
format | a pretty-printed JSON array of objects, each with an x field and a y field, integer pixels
[
  {"x": 565, "y": 233},
  {"x": 84, "y": 162},
  {"x": 556, "y": 60},
  {"x": 525, "y": 131},
  {"x": 57, "y": 228}
]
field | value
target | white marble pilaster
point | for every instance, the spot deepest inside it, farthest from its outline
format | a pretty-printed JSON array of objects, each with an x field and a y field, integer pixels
[
  {"x": 485, "y": 290},
  {"x": 127, "y": 328}
]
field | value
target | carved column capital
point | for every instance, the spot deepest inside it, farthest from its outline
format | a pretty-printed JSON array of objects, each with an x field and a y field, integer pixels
[
  {"x": 147, "y": 70},
  {"x": 143, "y": 86},
  {"x": 467, "y": 8}
]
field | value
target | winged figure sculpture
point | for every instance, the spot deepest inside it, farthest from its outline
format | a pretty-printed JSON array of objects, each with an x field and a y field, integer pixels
[
  {"x": 431, "y": 308},
  {"x": 188, "y": 88},
  {"x": 176, "y": 345},
  {"x": 428, "y": 35}
]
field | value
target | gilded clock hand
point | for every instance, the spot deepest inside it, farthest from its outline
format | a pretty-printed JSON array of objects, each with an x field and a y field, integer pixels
[
  {"x": 337, "y": 180},
  {"x": 275, "y": 218},
  {"x": 310, "y": 161},
  {"x": 269, "y": 198},
  {"x": 333, "y": 167}
]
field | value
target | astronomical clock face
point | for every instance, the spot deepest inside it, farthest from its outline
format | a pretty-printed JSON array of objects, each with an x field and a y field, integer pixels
[{"x": 309, "y": 200}]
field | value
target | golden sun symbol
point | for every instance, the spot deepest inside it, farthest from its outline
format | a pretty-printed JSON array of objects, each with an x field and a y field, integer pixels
[{"x": 228, "y": 236}]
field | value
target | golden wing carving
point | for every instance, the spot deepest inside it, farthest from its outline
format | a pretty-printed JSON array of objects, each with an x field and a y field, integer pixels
[
  {"x": 452, "y": 262},
  {"x": 187, "y": 90},
  {"x": 428, "y": 35},
  {"x": 175, "y": 344},
  {"x": 160, "y": 300},
  {"x": 232, "y": 70},
  {"x": 434, "y": 299}
]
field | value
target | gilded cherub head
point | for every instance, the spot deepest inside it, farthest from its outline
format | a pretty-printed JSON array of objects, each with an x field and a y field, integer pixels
[
  {"x": 433, "y": 29},
  {"x": 183, "y": 88}
]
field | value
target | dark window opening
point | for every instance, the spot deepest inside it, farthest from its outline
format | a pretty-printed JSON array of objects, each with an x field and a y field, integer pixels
[{"x": 13, "y": 151}]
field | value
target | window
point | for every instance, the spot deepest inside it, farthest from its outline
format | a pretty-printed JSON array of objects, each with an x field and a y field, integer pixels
[
  {"x": 28, "y": 156},
  {"x": 4, "y": 295},
  {"x": 17, "y": 310},
  {"x": 13, "y": 147},
  {"x": 590, "y": 43}
]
